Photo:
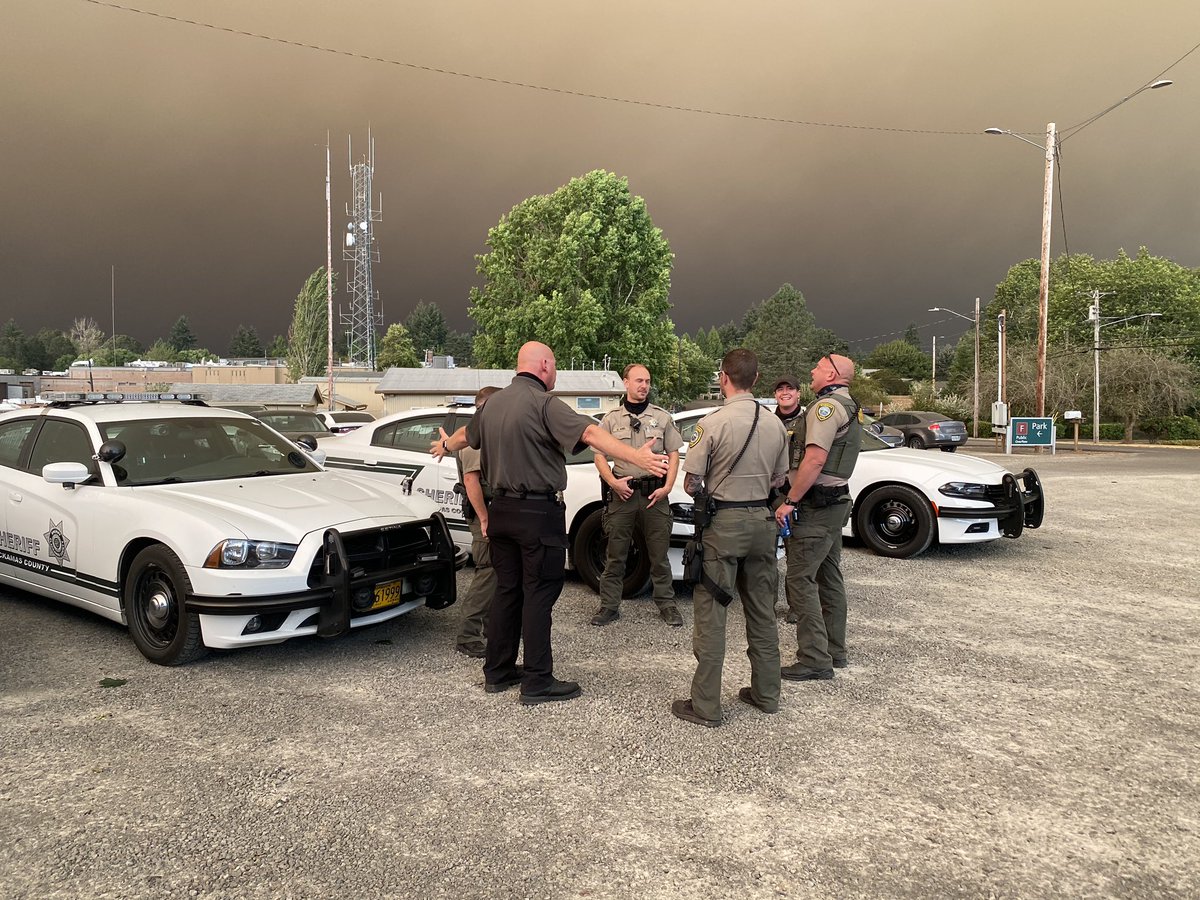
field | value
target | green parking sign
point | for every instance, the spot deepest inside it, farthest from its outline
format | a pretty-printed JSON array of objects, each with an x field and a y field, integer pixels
[{"x": 1031, "y": 432}]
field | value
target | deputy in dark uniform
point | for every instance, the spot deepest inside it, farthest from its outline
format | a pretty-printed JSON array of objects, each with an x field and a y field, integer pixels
[
  {"x": 738, "y": 454},
  {"x": 819, "y": 496},
  {"x": 791, "y": 414},
  {"x": 483, "y": 585},
  {"x": 635, "y": 497},
  {"x": 524, "y": 434}
]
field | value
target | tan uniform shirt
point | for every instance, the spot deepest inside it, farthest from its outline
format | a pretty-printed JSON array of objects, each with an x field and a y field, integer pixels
[
  {"x": 826, "y": 421},
  {"x": 471, "y": 459},
  {"x": 525, "y": 434},
  {"x": 719, "y": 438},
  {"x": 655, "y": 426}
]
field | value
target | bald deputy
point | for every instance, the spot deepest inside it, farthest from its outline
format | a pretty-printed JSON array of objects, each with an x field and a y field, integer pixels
[
  {"x": 524, "y": 435},
  {"x": 818, "y": 502}
]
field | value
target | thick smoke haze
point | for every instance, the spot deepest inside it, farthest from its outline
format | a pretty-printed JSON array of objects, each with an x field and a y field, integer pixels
[{"x": 193, "y": 159}]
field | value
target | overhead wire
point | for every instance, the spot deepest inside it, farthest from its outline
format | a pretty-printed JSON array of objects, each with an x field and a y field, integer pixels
[{"x": 509, "y": 82}]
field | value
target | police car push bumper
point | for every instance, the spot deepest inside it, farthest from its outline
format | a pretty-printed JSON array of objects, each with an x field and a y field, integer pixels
[
  {"x": 343, "y": 596},
  {"x": 1021, "y": 505}
]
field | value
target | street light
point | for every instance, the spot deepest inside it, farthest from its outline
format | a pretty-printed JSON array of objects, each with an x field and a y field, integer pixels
[
  {"x": 975, "y": 407},
  {"x": 934, "y": 377},
  {"x": 1095, "y": 317},
  {"x": 1047, "y": 194}
]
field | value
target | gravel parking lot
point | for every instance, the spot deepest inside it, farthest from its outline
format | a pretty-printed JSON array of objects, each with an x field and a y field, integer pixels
[{"x": 1019, "y": 719}]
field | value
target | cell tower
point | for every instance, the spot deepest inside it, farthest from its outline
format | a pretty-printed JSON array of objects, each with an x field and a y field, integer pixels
[{"x": 360, "y": 252}]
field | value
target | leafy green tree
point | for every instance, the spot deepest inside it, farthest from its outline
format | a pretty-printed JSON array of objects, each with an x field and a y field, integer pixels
[
  {"x": 195, "y": 355},
  {"x": 687, "y": 375},
  {"x": 711, "y": 343},
  {"x": 459, "y": 345},
  {"x": 161, "y": 351},
  {"x": 278, "y": 348},
  {"x": 396, "y": 350},
  {"x": 245, "y": 343},
  {"x": 308, "y": 336},
  {"x": 12, "y": 346},
  {"x": 900, "y": 357},
  {"x": 86, "y": 337},
  {"x": 582, "y": 269},
  {"x": 1137, "y": 384},
  {"x": 427, "y": 327},
  {"x": 780, "y": 332},
  {"x": 912, "y": 335},
  {"x": 181, "y": 337},
  {"x": 732, "y": 335}
]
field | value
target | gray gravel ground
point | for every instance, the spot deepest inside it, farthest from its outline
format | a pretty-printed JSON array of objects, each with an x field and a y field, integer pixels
[{"x": 1020, "y": 719}]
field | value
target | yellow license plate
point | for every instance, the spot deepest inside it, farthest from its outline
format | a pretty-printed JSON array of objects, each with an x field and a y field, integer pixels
[{"x": 388, "y": 594}]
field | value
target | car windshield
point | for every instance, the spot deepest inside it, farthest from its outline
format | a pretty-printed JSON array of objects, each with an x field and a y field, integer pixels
[
  {"x": 170, "y": 451},
  {"x": 298, "y": 422}
]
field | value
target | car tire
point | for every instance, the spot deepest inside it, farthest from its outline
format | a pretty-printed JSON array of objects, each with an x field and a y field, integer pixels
[
  {"x": 949, "y": 449},
  {"x": 916, "y": 442},
  {"x": 154, "y": 594},
  {"x": 895, "y": 521},
  {"x": 590, "y": 548}
]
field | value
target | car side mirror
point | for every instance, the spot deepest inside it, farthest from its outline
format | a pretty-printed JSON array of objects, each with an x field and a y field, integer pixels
[
  {"x": 68, "y": 474},
  {"x": 308, "y": 442},
  {"x": 111, "y": 451}
]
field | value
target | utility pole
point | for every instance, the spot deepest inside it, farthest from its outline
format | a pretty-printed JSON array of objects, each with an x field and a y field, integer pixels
[
  {"x": 1000, "y": 351},
  {"x": 328, "y": 279},
  {"x": 1044, "y": 279},
  {"x": 934, "y": 377},
  {"x": 976, "y": 406}
]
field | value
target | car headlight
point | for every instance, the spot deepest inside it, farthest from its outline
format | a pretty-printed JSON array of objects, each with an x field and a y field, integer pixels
[
  {"x": 239, "y": 553},
  {"x": 964, "y": 489}
]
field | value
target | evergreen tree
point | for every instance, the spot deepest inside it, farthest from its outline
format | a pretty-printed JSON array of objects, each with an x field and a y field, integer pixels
[
  {"x": 245, "y": 343},
  {"x": 181, "y": 337}
]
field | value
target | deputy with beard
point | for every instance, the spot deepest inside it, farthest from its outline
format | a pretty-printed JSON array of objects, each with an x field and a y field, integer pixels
[{"x": 635, "y": 498}]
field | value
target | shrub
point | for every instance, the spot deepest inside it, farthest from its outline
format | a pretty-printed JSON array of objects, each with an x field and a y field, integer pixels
[{"x": 1172, "y": 428}]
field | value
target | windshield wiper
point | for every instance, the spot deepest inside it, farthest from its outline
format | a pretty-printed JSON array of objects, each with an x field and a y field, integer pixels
[{"x": 170, "y": 479}]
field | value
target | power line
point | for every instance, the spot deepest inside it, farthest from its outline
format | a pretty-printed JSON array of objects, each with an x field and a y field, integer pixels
[
  {"x": 491, "y": 79},
  {"x": 1079, "y": 126}
]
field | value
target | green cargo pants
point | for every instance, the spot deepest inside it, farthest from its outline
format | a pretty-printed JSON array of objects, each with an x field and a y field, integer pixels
[
  {"x": 620, "y": 519},
  {"x": 739, "y": 556},
  {"x": 479, "y": 595},
  {"x": 814, "y": 585}
]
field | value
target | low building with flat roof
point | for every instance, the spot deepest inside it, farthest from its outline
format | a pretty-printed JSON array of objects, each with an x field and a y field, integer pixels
[{"x": 590, "y": 392}]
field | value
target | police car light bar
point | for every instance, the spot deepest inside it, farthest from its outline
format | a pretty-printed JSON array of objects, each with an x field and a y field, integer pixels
[{"x": 119, "y": 396}]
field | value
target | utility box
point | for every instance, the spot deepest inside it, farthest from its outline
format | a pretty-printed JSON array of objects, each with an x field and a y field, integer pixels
[{"x": 999, "y": 417}]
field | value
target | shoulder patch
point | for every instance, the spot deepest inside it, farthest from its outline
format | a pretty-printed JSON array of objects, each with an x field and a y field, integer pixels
[
  {"x": 824, "y": 411},
  {"x": 696, "y": 437}
]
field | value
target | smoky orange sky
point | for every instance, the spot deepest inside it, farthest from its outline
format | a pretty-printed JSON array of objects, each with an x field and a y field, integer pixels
[{"x": 193, "y": 159}]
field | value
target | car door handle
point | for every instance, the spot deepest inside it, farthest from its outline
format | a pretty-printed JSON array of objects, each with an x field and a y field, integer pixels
[{"x": 15, "y": 497}]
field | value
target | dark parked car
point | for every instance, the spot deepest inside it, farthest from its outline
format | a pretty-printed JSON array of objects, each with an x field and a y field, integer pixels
[
  {"x": 928, "y": 429},
  {"x": 292, "y": 423}
]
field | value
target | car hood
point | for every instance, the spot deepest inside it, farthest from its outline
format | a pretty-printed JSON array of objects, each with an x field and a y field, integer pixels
[
  {"x": 926, "y": 466},
  {"x": 287, "y": 507}
]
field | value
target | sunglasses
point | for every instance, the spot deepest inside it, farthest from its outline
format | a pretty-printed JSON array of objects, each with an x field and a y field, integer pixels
[{"x": 832, "y": 363}]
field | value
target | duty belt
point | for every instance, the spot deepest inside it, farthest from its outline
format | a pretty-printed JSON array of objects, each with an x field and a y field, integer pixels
[
  {"x": 741, "y": 504},
  {"x": 552, "y": 496}
]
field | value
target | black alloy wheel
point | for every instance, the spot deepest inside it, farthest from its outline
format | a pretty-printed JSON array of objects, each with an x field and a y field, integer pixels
[
  {"x": 161, "y": 628},
  {"x": 895, "y": 521},
  {"x": 590, "y": 549}
]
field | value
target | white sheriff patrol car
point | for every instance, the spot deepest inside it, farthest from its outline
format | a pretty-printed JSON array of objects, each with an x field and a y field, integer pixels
[
  {"x": 905, "y": 500},
  {"x": 396, "y": 448},
  {"x": 200, "y": 527}
]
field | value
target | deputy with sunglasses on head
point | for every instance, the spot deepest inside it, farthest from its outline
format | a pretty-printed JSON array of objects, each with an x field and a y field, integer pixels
[
  {"x": 635, "y": 497},
  {"x": 818, "y": 503}
]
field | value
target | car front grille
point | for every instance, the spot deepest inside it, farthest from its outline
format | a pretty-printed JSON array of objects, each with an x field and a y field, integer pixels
[{"x": 379, "y": 550}]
